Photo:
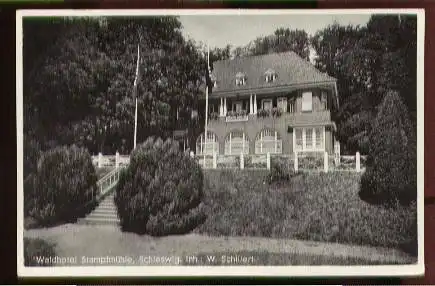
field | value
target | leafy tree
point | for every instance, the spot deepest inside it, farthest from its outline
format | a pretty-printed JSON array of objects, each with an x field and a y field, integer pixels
[
  {"x": 282, "y": 40},
  {"x": 368, "y": 61},
  {"x": 392, "y": 163},
  {"x": 82, "y": 90}
]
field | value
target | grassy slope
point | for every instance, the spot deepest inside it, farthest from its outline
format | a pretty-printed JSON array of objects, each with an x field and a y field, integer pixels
[{"x": 318, "y": 207}]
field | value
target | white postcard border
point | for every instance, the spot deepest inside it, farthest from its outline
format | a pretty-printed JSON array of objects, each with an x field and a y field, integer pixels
[{"x": 202, "y": 271}]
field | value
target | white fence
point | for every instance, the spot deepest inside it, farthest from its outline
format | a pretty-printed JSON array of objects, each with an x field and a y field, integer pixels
[
  {"x": 318, "y": 161},
  {"x": 117, "y": 160},
  {"x": 299, "y": 161}
]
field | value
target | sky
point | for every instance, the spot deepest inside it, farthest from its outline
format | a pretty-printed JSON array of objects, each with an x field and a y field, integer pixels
[{"x": 239, "y": 30}]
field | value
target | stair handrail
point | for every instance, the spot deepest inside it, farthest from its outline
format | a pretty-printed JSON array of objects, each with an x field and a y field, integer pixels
[{"x": 112, "y": 177}]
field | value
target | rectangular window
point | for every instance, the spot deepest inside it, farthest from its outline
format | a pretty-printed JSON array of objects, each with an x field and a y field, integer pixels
[
  {"x": 324, "y": 100},
  {"x": 307, "y": 101},
  {"x": 267, "y": 104},
  {"x": 309, "y": 138},
  {"x": 292, "y": 106},
  {"x": 282, "y": 104},
  {"x": 237, "y": 106},
  {"x": 211, "y": 108},
  {"x": 299, "y": 140},
  {"x": 319, "y": 138}
]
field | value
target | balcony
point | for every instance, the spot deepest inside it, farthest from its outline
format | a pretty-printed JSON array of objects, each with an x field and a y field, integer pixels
[
  {"x": 292, "y": 119},
  {"x": 237, "y": 116}
]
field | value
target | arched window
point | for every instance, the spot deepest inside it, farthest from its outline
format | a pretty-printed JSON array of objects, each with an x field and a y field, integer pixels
[
  {"x": 236, "y": 142},
  {"x": 209, "y": 146},
  {"x": 268, "y": 141}
]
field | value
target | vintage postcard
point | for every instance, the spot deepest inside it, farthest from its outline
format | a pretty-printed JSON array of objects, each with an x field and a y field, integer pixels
[{"x": 220, "y": 142}]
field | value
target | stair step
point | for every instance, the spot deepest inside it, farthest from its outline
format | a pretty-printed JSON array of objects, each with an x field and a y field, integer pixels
[
  {"x": 103, "y": 216},
  {"x": 99, "y": 221},
  {"x": 107, "y": 207},
  {"x": 106, "y": 210}
]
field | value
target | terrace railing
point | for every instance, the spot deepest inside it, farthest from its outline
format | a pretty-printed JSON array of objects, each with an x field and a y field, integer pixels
[
  {"x": 299, "y": 161},
  {"x": 236, "y": 118},
  {"x": 117, "y": 160}
]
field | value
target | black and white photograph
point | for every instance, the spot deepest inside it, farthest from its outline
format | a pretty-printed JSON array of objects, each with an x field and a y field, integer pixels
[{"x": 220, "y": 142}]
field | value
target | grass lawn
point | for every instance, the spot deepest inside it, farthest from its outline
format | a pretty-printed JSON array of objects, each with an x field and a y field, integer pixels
[
  {"x": 72, "y": 240},
  {"x": 316, "y": 207}
]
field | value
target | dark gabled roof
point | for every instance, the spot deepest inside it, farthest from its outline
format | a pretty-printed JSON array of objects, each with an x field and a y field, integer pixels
[{"x": 290, "y": 69}]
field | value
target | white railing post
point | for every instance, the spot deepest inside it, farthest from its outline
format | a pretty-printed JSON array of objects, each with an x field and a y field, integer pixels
[
  {"x": 242, "y": 161},
  {"x": 100, "y": 160},
  {"x": 337, "y": 153},
  {"x": 295, "y": 162},
  {"x": 117, "y": 160},
  {"x": 358, "y": 162},
  {"x": 268, "y": 160},
  {"x": 214, "y": 160},
  {"x": 325, "y": 162}
]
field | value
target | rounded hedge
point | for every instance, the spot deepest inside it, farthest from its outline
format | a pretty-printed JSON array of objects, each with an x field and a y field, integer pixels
[
  {"x": 63, "y": 186},
  {"x": 280, "y": 170},
  {"x": 161, "y": 191},
  {"x": 391, "y": 172}
]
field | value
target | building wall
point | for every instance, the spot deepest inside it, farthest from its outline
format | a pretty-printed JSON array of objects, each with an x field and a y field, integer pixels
[
  {"x": 252, "y": 128},
  {"x": 255, "y": 125},
  {"x": 317, "y": 105}
]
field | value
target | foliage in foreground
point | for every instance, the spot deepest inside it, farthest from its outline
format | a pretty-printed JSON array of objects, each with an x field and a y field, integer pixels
[
  {"x": 317, "y": 207},
  {"x": 391, "y": 173},
  {"x": 35, "y": 247},
  {"x": 161, "y": 191},
  {"x": 62, "y": 187}
]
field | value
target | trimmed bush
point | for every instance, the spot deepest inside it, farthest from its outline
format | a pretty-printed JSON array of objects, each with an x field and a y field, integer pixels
[
  {"x": 63, "y": 185},
  {"x": 391, "y": 172},
  {"x": 37, "y": 248},
  {"x": 161, "y": 191},
  {"x": 280, "y": 170}
]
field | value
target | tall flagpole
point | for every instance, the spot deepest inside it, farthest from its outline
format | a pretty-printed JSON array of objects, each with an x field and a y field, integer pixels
[
  {"x": 135, "y": 96},
  {"x": 206, "y": 100}
]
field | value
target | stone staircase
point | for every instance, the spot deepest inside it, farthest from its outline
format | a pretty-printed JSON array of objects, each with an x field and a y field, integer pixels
[{"x": 104, "y": 214}]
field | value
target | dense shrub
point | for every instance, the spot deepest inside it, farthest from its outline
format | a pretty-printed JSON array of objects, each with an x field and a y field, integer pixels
[
  {"x": 31, "y": 153},
  {"x": 35, "y": 248},
  {"x": 391, "y": 172},
  {"x": 29, "y": 193},
  {"x": 63, "y": 185},
  {"x": 161, "y": 190},
  {"x": 280, "y": 170}
]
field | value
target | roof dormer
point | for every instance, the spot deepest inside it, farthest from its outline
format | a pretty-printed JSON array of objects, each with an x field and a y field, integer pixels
[
  {"x": 240, "y": 79},
  {"x": 213, "y": 80},
  {"x": 270, "y": 75}
]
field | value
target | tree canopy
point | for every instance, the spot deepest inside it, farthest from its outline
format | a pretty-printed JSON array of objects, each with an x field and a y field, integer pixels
[
  {"x": 368, "y": 62},
  {"x": 81, "y": 89},
  {"x": 79, "y": 73}
]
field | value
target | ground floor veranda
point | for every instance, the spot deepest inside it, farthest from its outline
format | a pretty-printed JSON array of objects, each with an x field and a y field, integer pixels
[{"x": 266, "y": 140}]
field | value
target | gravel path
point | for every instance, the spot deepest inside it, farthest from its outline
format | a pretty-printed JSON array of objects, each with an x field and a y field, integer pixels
[{"x": 90, "y": 241}]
